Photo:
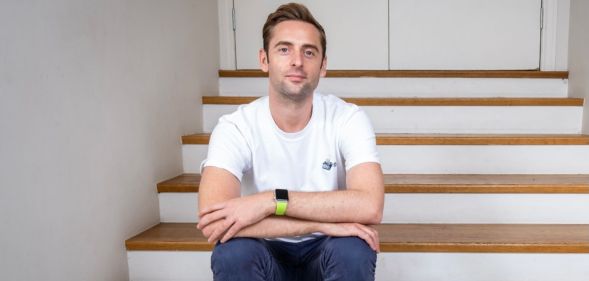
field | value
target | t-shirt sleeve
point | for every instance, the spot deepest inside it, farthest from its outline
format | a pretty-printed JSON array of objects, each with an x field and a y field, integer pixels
[
  {"x": 228, "y": 150},
  {"x": 357, "y": 140}
]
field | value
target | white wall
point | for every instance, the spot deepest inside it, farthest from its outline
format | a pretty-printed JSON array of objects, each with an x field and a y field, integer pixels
[
  {"x": 579, "y": 57},
  {"x": 94, "y": 96},
  {"x": 554, "y": 42}
]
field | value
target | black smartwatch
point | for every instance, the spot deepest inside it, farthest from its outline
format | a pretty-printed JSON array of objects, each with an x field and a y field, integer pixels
[{"x": 281, "y": 198}]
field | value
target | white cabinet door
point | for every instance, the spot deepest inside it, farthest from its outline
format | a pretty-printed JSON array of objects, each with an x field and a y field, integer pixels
[
  {"x": 464, "y": 34},
  {"x": 356, "y": 31}
]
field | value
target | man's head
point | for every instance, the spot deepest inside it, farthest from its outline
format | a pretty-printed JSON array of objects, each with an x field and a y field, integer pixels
[
  {"x": 296, "y": 12},
  {"x": 293, "y": 53}
]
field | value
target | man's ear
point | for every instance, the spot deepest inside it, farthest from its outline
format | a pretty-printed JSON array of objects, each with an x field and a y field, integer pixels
[
  {"x": 263, "y": 60},
  {"x": 324, "y": 67}
]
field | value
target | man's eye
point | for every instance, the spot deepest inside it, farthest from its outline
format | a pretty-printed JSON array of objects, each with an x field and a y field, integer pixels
[
  {"x": 309, "y": 53},
  {"x": 283, "y": 50}
]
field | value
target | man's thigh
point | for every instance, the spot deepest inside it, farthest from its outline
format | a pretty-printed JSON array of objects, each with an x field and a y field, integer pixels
[
  {"x": 341, "y": 258},
  {"x": 247, "y": 259},
  {"x": 326, "y": 258}
]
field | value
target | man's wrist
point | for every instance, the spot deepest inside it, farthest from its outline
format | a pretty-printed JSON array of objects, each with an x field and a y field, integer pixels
[{"x": 271, "y": 207}]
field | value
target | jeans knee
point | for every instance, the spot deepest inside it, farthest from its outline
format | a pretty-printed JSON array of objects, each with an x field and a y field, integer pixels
[
  {"x": 349, "y": 248},
  {"x": 348, "y": 258},
  {"x": 239, "y": 256}
]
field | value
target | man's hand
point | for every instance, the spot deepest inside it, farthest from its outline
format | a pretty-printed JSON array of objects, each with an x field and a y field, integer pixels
[
  {"x": 208, "y": 230},
  {"x": 236, "y": 214},
  {"x": 366, "y": 233}
]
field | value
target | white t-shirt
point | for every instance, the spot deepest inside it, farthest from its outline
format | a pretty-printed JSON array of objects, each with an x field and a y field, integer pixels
[{"x": 249, "y": 144}]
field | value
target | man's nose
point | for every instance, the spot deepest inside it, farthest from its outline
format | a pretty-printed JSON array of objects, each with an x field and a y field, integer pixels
[{"x": 297, "y": 58}]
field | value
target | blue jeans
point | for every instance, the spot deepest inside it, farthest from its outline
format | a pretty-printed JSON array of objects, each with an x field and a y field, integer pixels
[{"x": 324, "y": 258}]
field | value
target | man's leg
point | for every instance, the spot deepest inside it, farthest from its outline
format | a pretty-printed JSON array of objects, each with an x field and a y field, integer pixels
[
  {"x": 343, "y": 259},
  {"x": 245, "y": 259}
]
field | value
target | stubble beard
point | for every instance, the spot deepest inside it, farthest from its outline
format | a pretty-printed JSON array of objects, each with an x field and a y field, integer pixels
[{"x": 295, "y": 94}]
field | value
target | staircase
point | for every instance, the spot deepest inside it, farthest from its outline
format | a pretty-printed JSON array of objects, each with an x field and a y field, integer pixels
[{"x": 487, "y": 177}]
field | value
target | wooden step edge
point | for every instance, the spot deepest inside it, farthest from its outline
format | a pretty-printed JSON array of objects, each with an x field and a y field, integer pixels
[
  {"x": 188, "y": 182},
  {"x": 485, "y": 238},
  {"x": 490, "y": 189},
  {"x": 200, "y": 138},
  {"x": 229, "y": 100},
  {"x": 469, "y": 238},
  {"x": 199, "y": 246},
  {"x": 485, "y": 248},
  {"x": 481, "y": 139},
  {"x": 481, "y": 184},
  {"x": 204, "y": 246},
  {"x": 448, "y": 139},
  {"x": 247, "y": 73}
]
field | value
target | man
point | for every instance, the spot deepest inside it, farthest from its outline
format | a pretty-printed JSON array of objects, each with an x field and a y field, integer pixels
[{"x": 292, "y": 181}]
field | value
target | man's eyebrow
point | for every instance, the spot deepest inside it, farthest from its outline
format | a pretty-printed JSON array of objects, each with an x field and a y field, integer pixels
[
  {"x": 311, "y": 46},
  {"x": 283, "y": 43}
]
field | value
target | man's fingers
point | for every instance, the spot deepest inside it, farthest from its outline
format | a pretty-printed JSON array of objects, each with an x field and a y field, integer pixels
[
  {"x": 369, "y": 235},
  {"x": 231, "y": 232},
  {"x": 364, "y": 236},
  {"x": 219, "y": 231},
  {"x": 373, "y": 234},
  {"x": 210, "y": 209},
  {"x": 207, "y": 231},
  {"x": 209, "y": 218},
  {"x": 366, "y": 233}
]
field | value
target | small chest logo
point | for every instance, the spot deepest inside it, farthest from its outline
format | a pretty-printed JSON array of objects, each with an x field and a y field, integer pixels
[{"x": 327, "y": 165}]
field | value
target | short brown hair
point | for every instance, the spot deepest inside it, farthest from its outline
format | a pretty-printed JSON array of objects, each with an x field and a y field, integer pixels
[{"x": 291, "y": 11}]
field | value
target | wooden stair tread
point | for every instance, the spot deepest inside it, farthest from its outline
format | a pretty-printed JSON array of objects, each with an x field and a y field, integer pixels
[
  {"x": 428, "y": 183},
  {"x": 497, "y": 238},
  {"x": 423, "y": 101},
  {"x": 181, "y": 183},
  {"x": 452, "y": 139},
  {"x": 416, "y": 73}
]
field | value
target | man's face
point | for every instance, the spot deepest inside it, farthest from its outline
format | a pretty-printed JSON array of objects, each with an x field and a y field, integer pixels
[{"x": 294, "y": 61}]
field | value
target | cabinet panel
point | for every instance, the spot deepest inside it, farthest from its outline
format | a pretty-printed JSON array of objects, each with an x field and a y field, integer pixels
[
  {"x": 357, "y": 31},
  {"x": 464, "y": 34}
]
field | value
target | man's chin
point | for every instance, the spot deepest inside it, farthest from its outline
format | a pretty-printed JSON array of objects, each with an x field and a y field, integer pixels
[{"x": 296, "y": 93}]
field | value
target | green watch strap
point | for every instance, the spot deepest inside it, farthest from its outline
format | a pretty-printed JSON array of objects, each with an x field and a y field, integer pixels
[
  {"x": 281, "y": 199},
  {"x": 281, "y": 207}
]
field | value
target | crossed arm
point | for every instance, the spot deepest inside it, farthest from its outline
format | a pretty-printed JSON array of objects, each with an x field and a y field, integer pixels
[{"x": 224, "y": 214}]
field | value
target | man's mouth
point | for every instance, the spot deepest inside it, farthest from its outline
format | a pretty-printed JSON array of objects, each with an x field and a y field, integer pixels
[{"x": 296, "y": 77}]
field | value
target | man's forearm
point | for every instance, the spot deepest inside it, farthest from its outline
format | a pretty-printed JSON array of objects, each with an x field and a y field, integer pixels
[
  {"x": 272, "y": 227},
  {"x": 337, "y": 206},
  {"x": 362, "y": 201},
  {"x": 269, "y": 227}
]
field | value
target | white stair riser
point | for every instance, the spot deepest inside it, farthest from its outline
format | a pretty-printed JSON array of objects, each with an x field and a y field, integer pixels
[
  {"x": 481, "y": 267},
  {"x": 412, "y": 87},
  {"x": 439, "y": 208},
  {"x": 178, "y": 207},
  {"x": 169, "y": 266},
  {"x": 453, "y": 119},
  {"x": 195, "y": 266},
  {"x": 459, "y": 159}
]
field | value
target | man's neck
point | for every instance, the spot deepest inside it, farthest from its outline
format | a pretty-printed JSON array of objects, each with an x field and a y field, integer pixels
[{"x": 290, "y": 116}]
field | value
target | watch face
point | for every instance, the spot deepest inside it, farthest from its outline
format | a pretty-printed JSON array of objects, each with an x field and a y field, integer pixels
[{"x": 281, "y": 194}]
